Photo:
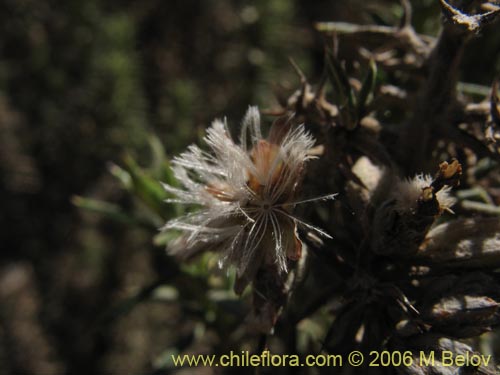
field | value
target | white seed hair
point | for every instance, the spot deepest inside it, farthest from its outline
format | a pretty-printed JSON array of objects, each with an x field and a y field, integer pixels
[
  {"x": 235, "y": 220},
  {"x": 407, "y": 192}
]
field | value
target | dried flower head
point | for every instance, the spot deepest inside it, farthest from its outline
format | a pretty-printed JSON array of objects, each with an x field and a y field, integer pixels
[
  {"x": 410, "y": 208},
  {"x": 247, "y": 192},
  {"x": 408, "y": 192}
]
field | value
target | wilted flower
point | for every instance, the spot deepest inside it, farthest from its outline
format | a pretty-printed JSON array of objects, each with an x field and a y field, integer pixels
[
  {"x": 411, "y": 207},
  {"x": 408, "y": 192},
  {"x": 247, "y": 192}
]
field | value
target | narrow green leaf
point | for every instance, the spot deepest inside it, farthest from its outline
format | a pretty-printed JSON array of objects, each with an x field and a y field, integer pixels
[
  {"x": 366, "y": 93},
  {"x": 122, "y": 175},
  {"x": 339, "y": 79},
  {"x": 146, "y": 187},
  {"x": 342, "y": 89},
  {"x": 106, "y": 209},
  {"x": 125, "y": 306},
  {"x": 160, "y": 166}
]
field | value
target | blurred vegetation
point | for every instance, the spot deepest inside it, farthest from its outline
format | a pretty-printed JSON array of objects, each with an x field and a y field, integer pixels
[{"x": 95, "y": 96}]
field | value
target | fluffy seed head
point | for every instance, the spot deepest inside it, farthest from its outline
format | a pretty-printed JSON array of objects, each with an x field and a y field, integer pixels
[{"x": 247, "y": 192}]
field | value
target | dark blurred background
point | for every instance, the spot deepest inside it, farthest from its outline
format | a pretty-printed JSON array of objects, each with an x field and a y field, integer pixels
[{"x": 84, "y": 83}]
